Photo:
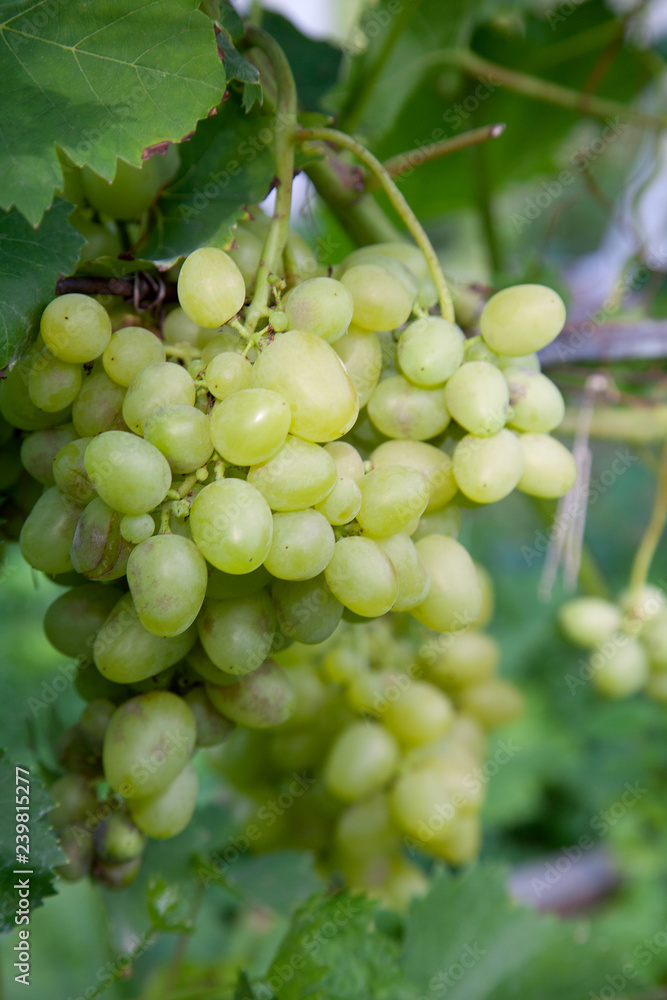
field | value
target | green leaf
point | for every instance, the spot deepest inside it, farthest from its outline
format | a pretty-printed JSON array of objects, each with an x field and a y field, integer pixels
[
  {"x": 244, "y": 990},
  {"x": 316, "y": 65},
  {"x": 44, "y": 851},
  {"x": 236, "y": 67},
  {"x": 101, "y": 81},
  {"x": 277, "y": 879},
  {"x": 466, "y": 939},
  {"x": 227, "y": 18},
  {"x": 227, "y": 164},
  {"x": 31, "y": 260}
]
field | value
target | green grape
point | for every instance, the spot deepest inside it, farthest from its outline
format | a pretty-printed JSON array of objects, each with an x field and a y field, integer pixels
[
  {"x": 99, "y": 552},
  {"x": 361, "y": 353},
  {"x": 308, "y": 373},
  {"x": 413, "y": 580},
  {"x": 549, "y": 468},
  {"x": 349, "y": 463},
  {"x": 391, "y": 497},
  {"x": 161, "y": 384},
  {"x": 476, "y": 349},
  {"x": 341, "y": 505},
  {"x": 455, "y": 596},
  {"x": 537, "y": 404},
  {"x": 232, "y": 526},
  {"x": 250, "y": 426},
  {"x": 182, "y": 434},
  {"x": 130, "y": 350},
  {"x": 133, "y": 188},
  {"x": 167, "y": 579},
  {"x": 322, "y": 306},
  {"x": 205, "y": 669},
  {"x": 118, "y": 840},
  {"x": 168, "y": 812},
  {"x": 303, "y": 544},
  {"x": 522, "y": 319},
  {"x": 74, "y": 799},
  {"x": 361, "y": 761},
  {"x": 148, "y": 742},
  {"x": 211, "y": 289},
  {"x": 362, "y": 577},
  {"x": 478, "y": 398},
  {"x": 408, "y": 255},
  {"x": 212, "y": 727},
  {"x": 383, "y": 292},
  {"x": 623, "y": 670},
  {"x": 53, "y": 384},
  {"x": 222, "y": 586},
  {"x": 228, "y": 373},
  {"x": 406, "y": 881},
  {"x": 366, "y": 829},
  {"x": 493, "y": 702},
  {"x": 237, "y": 634},
  {"x": 125, "y": 652},
  {"x": 16, "y": 406},
  {"x": 40, "y": 448},
  {"x": 73, "y": 620},
  {"x": 427, "y": 800},
  {"x": 431, "y": 462},
  {"x": 116, "y": 876},
  {"x": 307, "y": 610},
  {"x": 401, "y": 410},
  {"x": 488, "y": 468},
  {"x": 178, "y": 328},
  {"x": 462, "y": 842},
  {"x": 91, "y": 686},
  {"x": 639, "y": 605},
  {"x": 261, "y": 700},
  {"x": 136, "y": 528},
  {"x": 246, "y": 252},
  {"x": 654, "y": 638},
  {"x": 587, "y": 621},
  {"x": 488, "y": 598},
  {"x": 469, "y": 657},
  {"x": 69, "y": 472},
  {"x": 99, "y": 406},
  {"x": 102, "y": 239},
  {"x": 77, "y": 846},
  {"x": 47, "y": 534},
  {"x": 430, "y": 350},
  {"x": 75, "y": 328},
  {"x": 94, "y": 721},
  {"x": 524, "y": 361},
  {"x": 129, "y": 474},
  {"x": 304, "y": 262},
  {"x": 421, "y": 714},
  {"x": 300, "y": 475},
  {"x": 227, "y": 341}
]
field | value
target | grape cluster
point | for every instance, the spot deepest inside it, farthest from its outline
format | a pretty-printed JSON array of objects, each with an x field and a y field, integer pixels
[
  {"x": 213, "y": 496},
  {"x": 627, "y": 639}
]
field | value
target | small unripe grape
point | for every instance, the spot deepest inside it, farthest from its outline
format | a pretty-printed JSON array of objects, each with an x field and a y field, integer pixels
[
  {"x": 401, "y": 410},
  {"x": 430, "y": 350},
  {"x": 430, "y": 461},
  {"x": 246, "y": 252},
  {"x": 250, "y": 426},
  {"x": 302, "y": 545},
  {"x": 621, "y": 670},
  {"x": 428, "y": 801},
  {"x": 342, "y": 504},
  {"x": 455, "y": 596},
  {"x": 413, "y": 580},
  {"x": 549, "y": 469},
  {"x": 362, "y": 576},
  {"x": 307, "y": 610},
  {"x": 74, "y": 798},
  {"x": 182, "y": 434},
  {"x": 40, "y": 448},
  {"x": 211, "y": 289},
  {"x": 136, "y": 528},
  {"x": 408, "y": 255},
  {"x": 494, "y": 702},
  {"x": 77, "y": 846},
  {"x": 73, "y": 620},
  {"x": 640, "y": 605},
  {"x": 383, "y": 292},
  {"x": 118, "y": 839},
  {"x": 129, "y": 474},
  {"x": 178, "y": 328},
  {"x": 99, "y": 551},
  {"x": 391, "y": 497},
  {"x": 53, "y": 384},
  {"x": 587, "y": 621},
  {"x": 75, "y": 328},
  {"x": 537, "y": 404},
  {"x": 227, "y": 504},
  {"x": 47, "y": 533},
  {"x": 70, "y": 474},
  {"x": 461, "y": 844},
  {"x": 366, "y": 828},
  {"x": 158, "y": 385},
  {"x": 488, "y": 468},
  {"x": 130, "y": 350},
  {"x": 477, "y": 397},
  {"x": 148, "y": 742},
  {"x": 522, "y": 319},
  {"x": 226, "y": 341},
  {"x": 261, "y": 700},
  {"x": 94, "y": 722},
  {"x": 467, "y": 657},
  {"x": 421, "y": 714},
  {"x": 168, "y": 812},
  {"x": 212, "y": 727},
  {"x": 99, "y": 406},
  {"x": 300, "y": 475},
  {"x": 167, "y": 578},
  {"x": 476, "y": 349},
  {"x": 228, "y": 373},
  {"x": 16, "y": 406},
  {"x": 237, "y": 633},
  {"x": 349, "y": 462},
  {"x": 361, "y": 353},
  {"x": 323, "y": 306},
  {"x": 361, "y": 761}
]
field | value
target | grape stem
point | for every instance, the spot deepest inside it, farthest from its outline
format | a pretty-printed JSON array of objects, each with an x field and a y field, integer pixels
[
  {"x": 397, "y": 200},
  {"x": 404, "y": 162},
  {"x": 641, "y": 564},
  {"x": 285, "y": 124}
]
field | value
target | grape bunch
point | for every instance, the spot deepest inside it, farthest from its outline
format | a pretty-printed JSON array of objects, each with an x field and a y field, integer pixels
[
  {"x": 627, "y": 639},
  {"x": 215, "y": 498}
]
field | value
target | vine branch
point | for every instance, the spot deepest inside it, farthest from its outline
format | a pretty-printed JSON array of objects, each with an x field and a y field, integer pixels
[
  {"x": 411, "y": 221},
  {"x": 402, "y": 162}
]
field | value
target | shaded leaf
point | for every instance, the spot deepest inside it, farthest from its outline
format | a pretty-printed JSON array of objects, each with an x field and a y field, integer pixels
[{"x": 316, "y": 65}]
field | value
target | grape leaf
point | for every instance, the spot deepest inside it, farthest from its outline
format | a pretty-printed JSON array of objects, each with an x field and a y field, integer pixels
[
  {"x": 277, "y": 879},
  {"x": 466, "y": 939},
  {"x": 44, "y": 849},
  {"x": 30, "y": 262},
  {"x": 224, "y": 166},
  {"x": 101, "y": 81},
  {"x": 315, "y": 64}
]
